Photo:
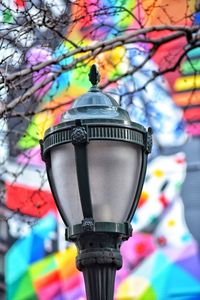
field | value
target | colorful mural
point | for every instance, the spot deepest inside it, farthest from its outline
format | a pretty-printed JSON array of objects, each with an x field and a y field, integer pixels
[
  {"x": 172, "y": 274},
  {"x": 162, "y": 233},
  {"x": 187, "y": 92},
  {"x": 186, "y": 88},
  {"x": 37, "y": 276}
]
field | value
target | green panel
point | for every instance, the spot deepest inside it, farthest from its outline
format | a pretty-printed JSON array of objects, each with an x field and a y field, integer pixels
[
  {"x": 190, "y": 67},
  {"x": 11, "y": 290},
  {"x": 43, "y": 267},
  {"x": 22, "y": 289},
  {"x": 149, "y": 294},
  {"x": 7, "y": 16},
  {"x": 31, "y": 137}
]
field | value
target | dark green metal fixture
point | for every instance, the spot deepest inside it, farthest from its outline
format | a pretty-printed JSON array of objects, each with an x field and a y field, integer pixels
[{"x": 96, "y": 162}]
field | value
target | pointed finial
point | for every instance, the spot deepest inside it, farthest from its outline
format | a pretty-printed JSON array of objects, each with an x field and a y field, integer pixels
[{"x": 94, "y": 75}]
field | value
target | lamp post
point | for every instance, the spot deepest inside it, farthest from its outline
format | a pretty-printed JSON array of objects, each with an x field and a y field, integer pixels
[{"x": 96, "y": 162}]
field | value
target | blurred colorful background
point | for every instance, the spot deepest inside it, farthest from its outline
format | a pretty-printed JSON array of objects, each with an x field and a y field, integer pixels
[{"x": 161, "y": 260}]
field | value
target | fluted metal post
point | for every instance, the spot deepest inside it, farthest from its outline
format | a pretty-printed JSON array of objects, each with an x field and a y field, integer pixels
[{"x": 99, "y": 257}]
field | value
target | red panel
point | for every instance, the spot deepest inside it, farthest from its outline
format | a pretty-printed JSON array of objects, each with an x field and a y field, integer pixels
[
  {"x": 20, "y": 3},
  {"x": 29, "y": 201},
  {"x": 47, "y": 279},
  {"x": 192, "y": 114}
]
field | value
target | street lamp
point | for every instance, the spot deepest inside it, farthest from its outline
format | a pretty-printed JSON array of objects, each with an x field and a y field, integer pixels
[{"x": 96, "y": 162}]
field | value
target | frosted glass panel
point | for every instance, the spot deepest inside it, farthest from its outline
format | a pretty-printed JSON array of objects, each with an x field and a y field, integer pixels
[
  {"x": 114, "y": 169},
  {"x": 65, "y": 179}
]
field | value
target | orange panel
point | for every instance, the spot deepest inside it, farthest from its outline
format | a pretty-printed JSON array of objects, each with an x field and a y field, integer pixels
[{"x": 188, "y": 98}]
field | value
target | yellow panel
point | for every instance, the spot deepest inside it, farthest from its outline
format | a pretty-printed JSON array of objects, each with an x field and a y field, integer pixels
[{"x": 187, "y": 83}]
